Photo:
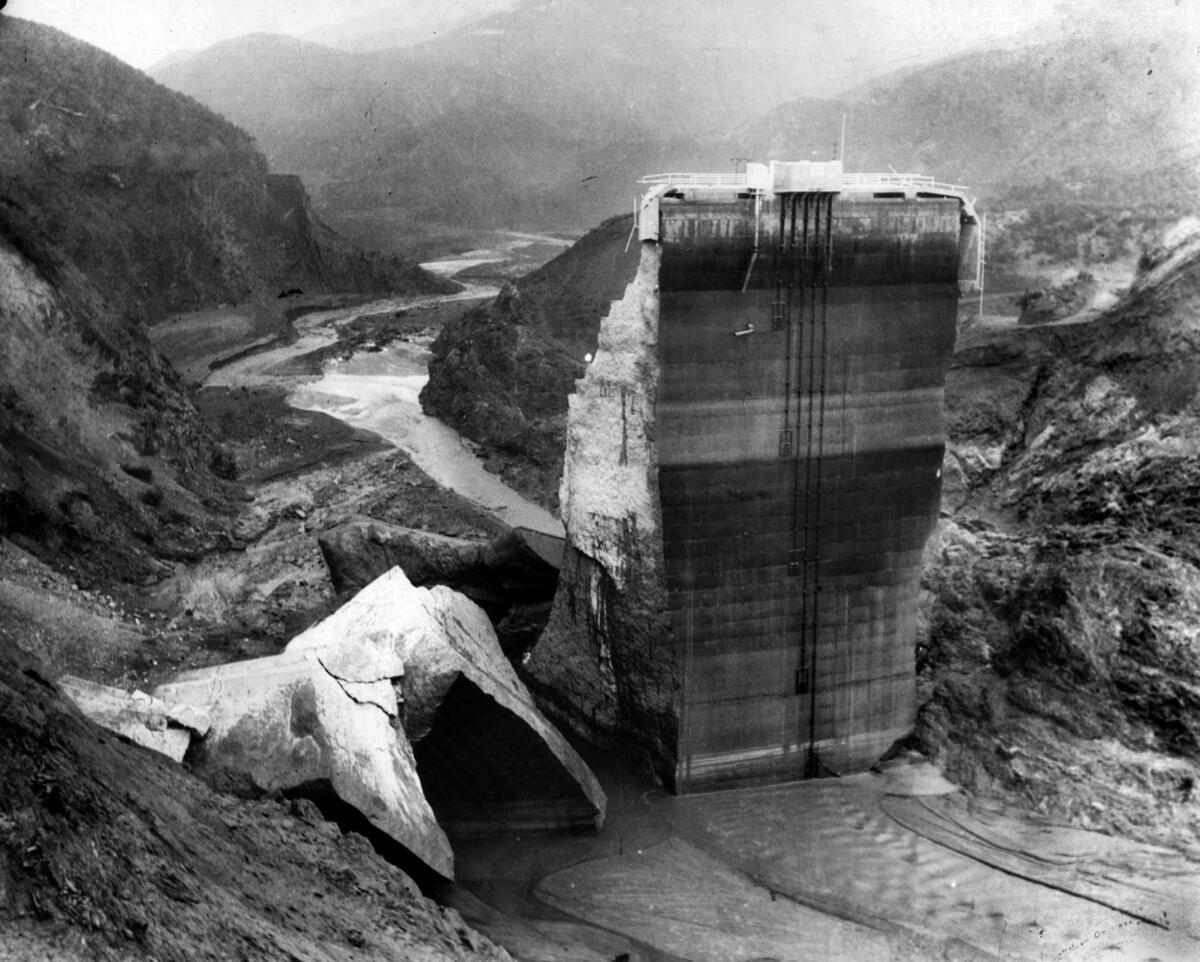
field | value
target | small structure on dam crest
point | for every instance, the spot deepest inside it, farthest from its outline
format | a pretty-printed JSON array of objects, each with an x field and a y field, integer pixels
[{"x": 753, "y": 466}]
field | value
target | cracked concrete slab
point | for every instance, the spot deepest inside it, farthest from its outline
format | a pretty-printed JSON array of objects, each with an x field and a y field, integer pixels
[{"x": 287, "y": 723}]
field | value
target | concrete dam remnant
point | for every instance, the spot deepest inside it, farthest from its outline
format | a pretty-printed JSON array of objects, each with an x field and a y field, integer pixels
[{"x": 753, "y": 466}]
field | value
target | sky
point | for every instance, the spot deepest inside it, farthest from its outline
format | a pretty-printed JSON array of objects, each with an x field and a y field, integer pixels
[{"x": 142, "y": 32}]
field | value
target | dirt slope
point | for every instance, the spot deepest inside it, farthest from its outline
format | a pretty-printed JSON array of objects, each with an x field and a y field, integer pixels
[
  {"x": 108, "y": 851},
  {"x": 121, "y": 201},
  {"x": 1062, "y": 666}
]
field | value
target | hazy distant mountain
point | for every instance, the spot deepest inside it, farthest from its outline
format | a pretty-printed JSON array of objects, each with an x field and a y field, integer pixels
[
  {"x": 1102, "y": 112},
  {"x": 402, "y": 24},
  {"x": 545, "y": 115}
]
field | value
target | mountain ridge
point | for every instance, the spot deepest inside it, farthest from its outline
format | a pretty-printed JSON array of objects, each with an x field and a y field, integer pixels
[
  {"x": 121, "y": 202},
  {"x": 543, "y": 117}
]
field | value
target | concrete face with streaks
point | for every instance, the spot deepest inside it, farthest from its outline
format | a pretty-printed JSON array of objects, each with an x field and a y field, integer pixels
[{"x": 752, "y": 470}]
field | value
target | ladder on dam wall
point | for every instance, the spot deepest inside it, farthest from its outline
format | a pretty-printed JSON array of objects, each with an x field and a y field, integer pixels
[{"x": 800, "y": 307}]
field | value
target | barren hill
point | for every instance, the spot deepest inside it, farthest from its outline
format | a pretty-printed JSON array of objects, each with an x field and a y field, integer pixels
[
  {"x": 1060, "y": 665},
  {"x": 123, "y": 201}
]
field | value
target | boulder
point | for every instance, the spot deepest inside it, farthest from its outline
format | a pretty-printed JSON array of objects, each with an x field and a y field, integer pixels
[
  {"x": 143, "y": 719},
  {"x": 322, "y": 723},
  {"x": 513, "y": 577},
  {"x": 360, "y": 551},
  {"x": 508, "y": 567},
  {"x": 489, "y": 761}
]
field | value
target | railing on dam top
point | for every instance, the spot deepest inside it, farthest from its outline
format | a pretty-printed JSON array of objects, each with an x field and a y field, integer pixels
[
  {"x": 914, "y": 181},
  {"x": 695, "y": 180},
  {"x": 879, "y": 181}
]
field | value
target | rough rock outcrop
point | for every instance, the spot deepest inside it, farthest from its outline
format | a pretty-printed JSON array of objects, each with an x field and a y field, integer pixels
[
  {"x": 143, "y": 719},
  {"x": 512, "y": 577},
  {"x": 1059, "y": 665},
  {"x": 605, "y": 662}
]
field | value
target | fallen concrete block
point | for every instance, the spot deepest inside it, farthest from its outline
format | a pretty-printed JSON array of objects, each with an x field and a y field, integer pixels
[
  {"x": 489, "y": 761},
  {"x": 290, "y": 722},
  {"x": 143, "y": 719}
]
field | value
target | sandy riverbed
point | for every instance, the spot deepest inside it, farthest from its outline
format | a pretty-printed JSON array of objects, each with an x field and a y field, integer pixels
[
  {"x": 831, "y": 871},
  {"x": 379, "y": 392}
]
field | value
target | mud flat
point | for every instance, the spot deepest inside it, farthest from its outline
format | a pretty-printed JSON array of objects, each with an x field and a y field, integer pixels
[{"x": 829, "y": 870}]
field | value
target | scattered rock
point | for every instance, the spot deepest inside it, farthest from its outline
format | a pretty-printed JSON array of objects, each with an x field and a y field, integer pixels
[{"x": 1061, "y": 302}]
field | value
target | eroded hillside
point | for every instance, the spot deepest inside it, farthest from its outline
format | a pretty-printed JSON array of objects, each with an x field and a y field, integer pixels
[
  {"x": 110, "y": 851},
  {"x": 501, "y": 373},
  {"x": 1062, "y": 666},
  {"x": 120, "y": 202}
]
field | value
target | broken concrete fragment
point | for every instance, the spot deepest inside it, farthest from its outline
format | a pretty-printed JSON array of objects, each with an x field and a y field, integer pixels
[
  {"x": 605, "y": 664},
  {"x": 518, "y": 564},
  {"x": 360, "y": 551},
  {"x": 489, "y": 761},
  {"x": 319, "y": 721},
  {"x": 143, "y": 719}
]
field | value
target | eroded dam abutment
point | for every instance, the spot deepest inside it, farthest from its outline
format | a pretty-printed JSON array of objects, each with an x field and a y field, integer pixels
[{"x": 753, "y": 467}]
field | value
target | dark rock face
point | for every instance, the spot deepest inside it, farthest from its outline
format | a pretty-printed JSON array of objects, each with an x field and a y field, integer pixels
[
  {"x": 1060, "y": 664},
  {"x": 122, "y": 202},
  {"x": 506, "y": 576},
  {"x": 1057, "y": 303},
  {"x": 501, "y": 374}
]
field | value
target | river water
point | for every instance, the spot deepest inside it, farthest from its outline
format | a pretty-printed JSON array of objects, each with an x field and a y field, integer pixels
[{"x": 379, "y": 392}]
